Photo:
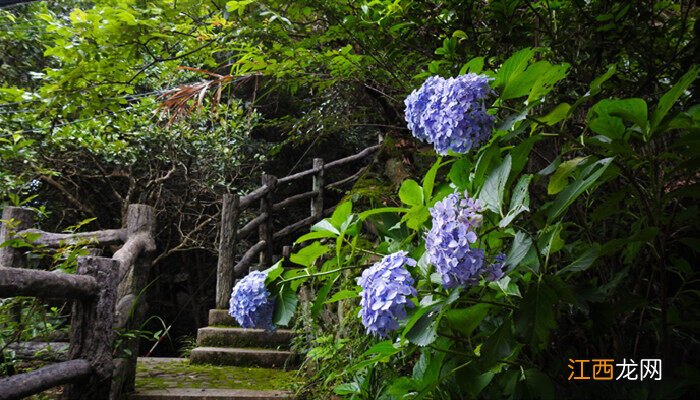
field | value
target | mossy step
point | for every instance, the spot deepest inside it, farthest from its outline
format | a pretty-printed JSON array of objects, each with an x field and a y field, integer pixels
[
  {"x": 239, "y": 337},
  {"x": 219, "y": 317},
  {"x": 209, "y": 394},
  {"x": 244, "y": 357},
  {"x": 178, "y": 373}
]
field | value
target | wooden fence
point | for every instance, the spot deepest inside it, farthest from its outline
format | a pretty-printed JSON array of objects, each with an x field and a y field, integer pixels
[
  {"x": 106, "y": 299},
  {"x": 227, "y": 269}
]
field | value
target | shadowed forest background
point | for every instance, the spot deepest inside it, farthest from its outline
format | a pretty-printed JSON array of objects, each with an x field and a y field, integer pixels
[{"x": 175, "y": 103}]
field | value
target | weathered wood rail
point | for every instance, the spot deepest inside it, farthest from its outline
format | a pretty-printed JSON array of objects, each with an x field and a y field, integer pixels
[
  {"x": 227, "y": 269},
  {"x": 105, "y": 294}
]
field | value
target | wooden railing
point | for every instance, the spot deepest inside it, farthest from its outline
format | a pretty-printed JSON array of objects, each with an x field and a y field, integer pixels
[
  {"x": 106, "y": 300},
  {"x": 227, "y": 269}
]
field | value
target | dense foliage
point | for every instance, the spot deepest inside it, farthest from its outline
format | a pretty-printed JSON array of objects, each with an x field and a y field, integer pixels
[{"x": 578, "y": 162}]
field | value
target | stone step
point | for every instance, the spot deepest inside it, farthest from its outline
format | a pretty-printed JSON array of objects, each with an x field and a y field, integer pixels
[
  {"x": 239, "y": 337},
  {"x": 244, "y": 357},
  {"x": 209, "y": 394},
  {"x": 219, "y": 317}
]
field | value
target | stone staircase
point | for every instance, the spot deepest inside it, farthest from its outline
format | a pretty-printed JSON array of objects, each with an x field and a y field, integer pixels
[{"x": 222, "y": 343}]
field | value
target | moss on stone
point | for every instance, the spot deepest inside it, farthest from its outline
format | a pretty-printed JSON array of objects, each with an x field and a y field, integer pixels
[{"x": 179, "y": 373}]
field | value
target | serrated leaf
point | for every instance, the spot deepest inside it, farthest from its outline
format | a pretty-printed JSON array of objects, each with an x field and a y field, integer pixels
[
  {"x": 341, "y": 214},
  {"x": 285, "y": 305},
  {"x": 424, "y": 331},
  {"x": 465, "y": 320}
]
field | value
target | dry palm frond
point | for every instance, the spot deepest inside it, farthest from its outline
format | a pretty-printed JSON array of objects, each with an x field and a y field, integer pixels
[{"x": 181, "y": 101}]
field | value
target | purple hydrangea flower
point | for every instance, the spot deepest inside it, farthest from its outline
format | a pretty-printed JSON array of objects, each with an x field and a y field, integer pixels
[
  {"x": 385, "y": 287},
  {"x": 450, "y": 113},
  {"x": 250, "y": 304},
  {"x": 494, "y": 271},
  {"x": 448, "y": 242}
]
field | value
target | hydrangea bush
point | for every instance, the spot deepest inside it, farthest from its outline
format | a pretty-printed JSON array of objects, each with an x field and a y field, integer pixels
[
  {"x": 450, "y": 113},
  {"x": 471, "y": 317},
  {"x": 385, "y": 289},
  {"x": 250, "y": 304}
]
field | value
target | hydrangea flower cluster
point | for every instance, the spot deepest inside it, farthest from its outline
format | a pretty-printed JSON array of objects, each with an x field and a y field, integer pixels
[
  {"x": 494, "y": 271},
  {"x": 250, "y": 304},
  {"x": 450, "y": 113},
  {"x": 385, "y": 287},
  {"x": 455, "y": 221}
]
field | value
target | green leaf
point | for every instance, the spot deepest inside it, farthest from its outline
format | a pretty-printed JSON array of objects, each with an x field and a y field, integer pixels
[
  {"x": 274, "y": 272},
  {"x": 519, "y": 201},
  {"x": 383, "y": 348},
  {"x": 546, "y": 81},
  {"x": 459, "y": 173},
  {"x": 363, "y": 215},
  {"x": 429, "y": 180},
  {"x": 341, "y": 213},
  {"x": 309, "y": 254},
  {"x": 315, "y": 235},
  {"x": 585, "y": 260},
  {"x": 499, "y": 345},
  {"x": 475, "y": 65},
  {"x": 491, "y": 195},
  {"x": 634, "y": 110},
  {"x": 560, "y": 178},
  {"x": 342, "y": 295},
  {"x": 321, "y": 295},
  {"x": 411, "y": 193},
  {"x": 539, "y": 386},
  {"x": 285, "y": 305},
  {"x": 669, "y": 98},
  {"x": 521, "y": 245},
  {"x": 424, "y": 331},
  {"x": 506, "y": 78},
  {"x": 558, "y": 114},
  {"x": 325, "y": 225},
  {"x": 465, "y": 320},
  {"x": 535, "y": 317},
  {"x": 573, "y": 190}
]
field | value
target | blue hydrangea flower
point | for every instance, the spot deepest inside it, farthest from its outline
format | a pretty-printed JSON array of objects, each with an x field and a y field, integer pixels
[
  {"x": 385, "y": 287},
  {"x": 450, "y": 113},
  {"x": 455, "y": 220},
  {"x": 494, "y": 271},
  {"x": 250, "y": 304}
]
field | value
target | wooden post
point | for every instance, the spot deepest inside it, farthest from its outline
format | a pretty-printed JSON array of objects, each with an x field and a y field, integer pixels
[
  {"x": 227, "y": 251},
  {"x": 92, "y": 332},
  {"x": 317, "y": 185},
  {"x": 135, "y": 257},
  {"x": 15, "y": 219},
  {"x": 286, "y": 252},
  {"x": 265, "y": 230}
]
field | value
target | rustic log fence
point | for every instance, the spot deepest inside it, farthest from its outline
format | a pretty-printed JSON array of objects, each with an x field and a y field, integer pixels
[
  {"x": 227, "y": 269},
  {"x": 106, "y": 295}
]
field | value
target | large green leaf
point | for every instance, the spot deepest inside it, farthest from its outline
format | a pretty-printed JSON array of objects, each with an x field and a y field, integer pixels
[
  {"x": 567, "y": 196},
  {"x": 429, "y": 180},
  {"x": 340, "y": 214},
  {"x": 309, "y": 254},
  {"x": 634, "y": 110},
  {"x": 459, "y": 173},
  {"x": 514, "y": 66},
  {"x": 535, "y": 318},
  {"x": 285, "y": 305},
  {"x": 465, "y": 320},
  {"x": 491, "y": 195},
  {"x": 411, "y": 193},
  {"x": 546, "y": 81},
  {"x": 521, "y": 245}
]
